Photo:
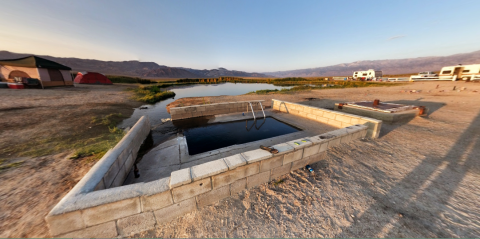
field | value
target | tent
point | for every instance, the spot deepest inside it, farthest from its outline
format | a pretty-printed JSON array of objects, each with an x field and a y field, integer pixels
[
  {"x": 91, "y": 78},
  {"x": 48, "y": 72}
]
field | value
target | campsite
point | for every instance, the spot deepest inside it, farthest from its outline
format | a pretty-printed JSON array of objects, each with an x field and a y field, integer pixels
[{"x": 239, "y": 119}]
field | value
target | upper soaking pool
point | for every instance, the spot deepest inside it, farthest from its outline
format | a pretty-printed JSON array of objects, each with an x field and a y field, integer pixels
[{"x": 204, "y": 138}]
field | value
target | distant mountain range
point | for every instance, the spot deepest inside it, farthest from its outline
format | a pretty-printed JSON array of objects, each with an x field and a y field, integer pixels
[
  {"x": 389, "y": 67},
  {"x": 135, "y": 68},
  {"x": 153, "y": 70}
]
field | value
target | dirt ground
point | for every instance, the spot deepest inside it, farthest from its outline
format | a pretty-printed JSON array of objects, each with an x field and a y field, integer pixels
[
  {"x": 43, "y": 118},
  {"x": 419, "y": 179}
]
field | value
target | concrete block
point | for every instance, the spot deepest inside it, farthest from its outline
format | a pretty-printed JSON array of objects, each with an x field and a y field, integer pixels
[
  {"x": 294, "y": 112},
  {"x": 300, "y": 163},
  {"x": 280, "y": 171},
  {"x": 156, "y": 201},
  {"x": 213, "y": 196},
  {"x": 329, "y": 115},
  {"x": 238, "y": 186},
  {"x": 334, "y": 142},
  {"x": 309, "y": 151},
  {"x": 256, "y": 155},
  {"x": 270, "y": 163},
  {"x": 283, "y": 148},
  {"x": 120, "y": 178},
  {"x": 346, "y": 138},
  {"x": 317, "y": 112},
  {"x": 316, "y": 158},
  {"x": 129, "y": 163},
  {"x": 191, "y": 190},
  {"x": 180, "y": 177},
  {"x": 111, "y": 211},
  {"x": 136, "y": 223},
  {"x": 335, "y": 123},
  {"x": 235, "y": 161},
  {"x": 208, "y": 169},
  {"x": 169, "y": 213},
  {"x": 307, "y": 110},
  {"x": 63, "y": 223},
  {"x": 323, "y": 147},
  {"x": 100, "y": 186},
  {"x": 197, "y": 113},
  {"x": 111, "y": 174},
  {"x": 300, "y": 143},
  {"x": 343, "y": 118},
  {"x": 105, "y": 230},
  {"x": 293, "y": 156},
  {"x": 302, "y": 114},
  {"x": 234, "y": 175},
  {"x": 258, "y": 179},
  {"x": 312, "y": 116},
  {"x": 322, "y": 119}
]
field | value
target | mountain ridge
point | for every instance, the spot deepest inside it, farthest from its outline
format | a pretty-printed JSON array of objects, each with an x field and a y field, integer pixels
[
  {"x": 134, "y": 68},
  {"x": 388, "y": 66}
]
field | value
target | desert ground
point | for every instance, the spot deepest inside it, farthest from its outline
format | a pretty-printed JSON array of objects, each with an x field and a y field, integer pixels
[{"x": 419, "y": 179}]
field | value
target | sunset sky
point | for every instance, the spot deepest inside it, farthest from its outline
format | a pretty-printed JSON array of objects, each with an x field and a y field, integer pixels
[{"x": 242, "y": 35}]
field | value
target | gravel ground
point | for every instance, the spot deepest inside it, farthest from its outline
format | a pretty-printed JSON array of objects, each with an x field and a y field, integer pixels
[
  {"x": 419, "y": 179},
  {"x": 42, "y": 118}
]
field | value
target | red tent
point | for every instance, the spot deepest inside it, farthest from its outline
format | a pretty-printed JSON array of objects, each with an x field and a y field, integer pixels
[{"x": 91, "y": 78}]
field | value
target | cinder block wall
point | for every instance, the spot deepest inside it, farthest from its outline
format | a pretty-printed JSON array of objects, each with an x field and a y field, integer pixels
[
  {"x": 330, "y": 117},
  {"x": 213, "y": 109},
  {"x": 125, "y": 210},
  {"x": 109, "y": 172},
  {"x": 384, "y": 116}
]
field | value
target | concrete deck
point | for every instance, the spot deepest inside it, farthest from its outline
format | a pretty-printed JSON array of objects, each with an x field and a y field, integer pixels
[{"x": 173, "y": 155}]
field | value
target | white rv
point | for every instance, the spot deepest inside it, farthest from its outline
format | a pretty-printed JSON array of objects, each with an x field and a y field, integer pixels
[
  {"x": 367, "y": 75},
  {"x": 466, "y": 72}
]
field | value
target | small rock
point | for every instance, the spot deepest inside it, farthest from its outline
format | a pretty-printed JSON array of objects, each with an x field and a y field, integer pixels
[{"x": 352, "y": 216}]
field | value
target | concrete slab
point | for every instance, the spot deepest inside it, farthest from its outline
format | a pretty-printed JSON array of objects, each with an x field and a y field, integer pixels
[
  {"x": 256, "y": 155},
  {"x": 208, "y": 169},
  {"x": 180, "y": 177},
  {"x": 160, "y": 158},
  {"x": 235, "y": 161}
]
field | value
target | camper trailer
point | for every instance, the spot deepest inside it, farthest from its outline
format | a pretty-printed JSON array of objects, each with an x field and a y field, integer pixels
[
  {"x": 464, "y": 72},
  {"x": 367, "y": 75}
]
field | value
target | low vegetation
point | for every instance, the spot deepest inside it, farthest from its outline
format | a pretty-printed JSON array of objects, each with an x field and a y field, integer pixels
[
  {"x": 129, "y": 80},
  {"x": 151, "y": 94},
  {"x": 319, "y": 85}
]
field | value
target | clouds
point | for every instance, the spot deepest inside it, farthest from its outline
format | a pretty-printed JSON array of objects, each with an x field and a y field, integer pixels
[{"x": 396, "y": 37}]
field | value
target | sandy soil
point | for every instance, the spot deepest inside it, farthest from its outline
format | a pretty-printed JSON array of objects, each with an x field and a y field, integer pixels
[
  {"x": 419, "y": 179},
  {"x": 42, "y": 118}
]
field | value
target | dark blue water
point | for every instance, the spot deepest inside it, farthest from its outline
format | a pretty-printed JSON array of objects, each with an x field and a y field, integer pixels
[{"x": 205, "y": 138}]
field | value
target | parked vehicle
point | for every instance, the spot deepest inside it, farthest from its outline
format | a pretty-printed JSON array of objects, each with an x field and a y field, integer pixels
[
  {"x": 464, "y": 72},
  {"x": 367, "y": 75},
  {"x": 424, "y": 75}
]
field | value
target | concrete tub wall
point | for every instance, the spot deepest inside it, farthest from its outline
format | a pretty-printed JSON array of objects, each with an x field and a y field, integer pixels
[
  {"x": 125, "y": 210},
  {"x": 109, "y": 172},
  {"x": 330, "y": 117},
  {"x": 213, "y": 109},
  {"x": 384, "y": 116}
]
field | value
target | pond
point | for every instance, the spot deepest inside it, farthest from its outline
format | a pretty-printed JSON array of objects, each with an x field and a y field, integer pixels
[{"x": 158, "y": 111}]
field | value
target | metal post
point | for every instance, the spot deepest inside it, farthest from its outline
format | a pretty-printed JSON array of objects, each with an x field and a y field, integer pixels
[{"x": 252, "y": 110}]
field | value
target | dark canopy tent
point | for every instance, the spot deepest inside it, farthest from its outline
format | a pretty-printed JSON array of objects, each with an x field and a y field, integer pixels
[{"x": 34, "y": 62}]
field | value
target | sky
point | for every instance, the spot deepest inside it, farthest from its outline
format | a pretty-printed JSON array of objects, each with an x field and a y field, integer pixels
[{"x": 253, "y": 36}]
